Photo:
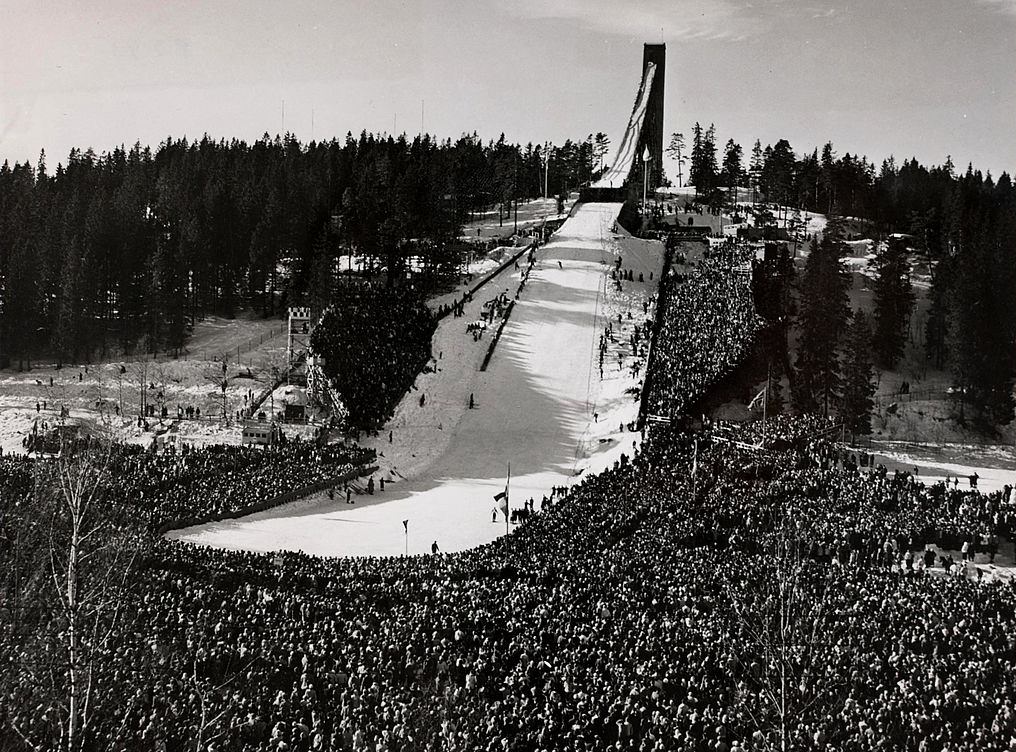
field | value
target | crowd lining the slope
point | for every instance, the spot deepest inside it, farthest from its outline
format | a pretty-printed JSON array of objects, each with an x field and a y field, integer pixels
[
  {"x": 373, "y": 348},
  {"x": 626, "y": 616},
  {"x": 189, "y": 483},
  {"x": 708, "y": 326},
  {"x": 638, "y": 612}
]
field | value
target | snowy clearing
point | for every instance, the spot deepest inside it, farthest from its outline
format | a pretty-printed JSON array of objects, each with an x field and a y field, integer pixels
[{"x": 995, "y": 464}]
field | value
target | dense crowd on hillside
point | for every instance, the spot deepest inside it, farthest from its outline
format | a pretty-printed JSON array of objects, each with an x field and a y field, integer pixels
[
  {"x": 189, "y": 483},
  {"x": 704, "y": 594},
  {"x": 707, "y": 329},
  {"x": 631, "y": 615},
  {"x": 374, "y": 345},
  {"x": 225, "y": 480},
  {"x": 780, "y": 431},
  {"x": 15, "y": 476}
]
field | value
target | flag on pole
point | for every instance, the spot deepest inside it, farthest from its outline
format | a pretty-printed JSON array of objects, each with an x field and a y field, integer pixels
[
  {"x": 754, "y": 404},
  {"x": 502, "y": 501},
  {"x": 405, "y": 524},
  {"x": 501, "y": 498}
]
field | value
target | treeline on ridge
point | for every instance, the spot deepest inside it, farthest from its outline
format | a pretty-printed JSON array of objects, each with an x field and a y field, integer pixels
[
  {"x": 124, "y": 250},
  {"x": 959, "y": 227}
]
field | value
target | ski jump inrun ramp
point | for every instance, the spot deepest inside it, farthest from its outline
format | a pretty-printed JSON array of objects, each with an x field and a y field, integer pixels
[{"x": 628, "y": 151}]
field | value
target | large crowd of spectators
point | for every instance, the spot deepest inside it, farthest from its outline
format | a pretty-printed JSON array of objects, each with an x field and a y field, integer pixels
[
  {"x": 709, "y": 593},
  {"x": 374, "y": 345},
  {"x": 707, "y": 328},
  {"x": 15, "y": 476},
  {"x": 225, "y": 480},
  {"x": 780, "y": 431},
  {"x": 189, "y": 483},
  {"x": 629, "y": 615}
]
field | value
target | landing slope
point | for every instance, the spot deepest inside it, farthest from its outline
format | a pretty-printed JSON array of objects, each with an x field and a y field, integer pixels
[{"x": 534, "y": 407}]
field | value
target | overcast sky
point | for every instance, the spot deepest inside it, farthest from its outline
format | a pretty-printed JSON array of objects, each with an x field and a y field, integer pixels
[{"x": 878, "y": 77}]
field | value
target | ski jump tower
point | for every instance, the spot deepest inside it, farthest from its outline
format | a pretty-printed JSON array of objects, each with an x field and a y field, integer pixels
[
  {"x": 652, "y": 127},
  {"x": 643, "y": 137}
]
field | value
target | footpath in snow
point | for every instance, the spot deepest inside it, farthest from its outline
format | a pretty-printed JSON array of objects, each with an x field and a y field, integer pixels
[{"x": 541, "y": 405}]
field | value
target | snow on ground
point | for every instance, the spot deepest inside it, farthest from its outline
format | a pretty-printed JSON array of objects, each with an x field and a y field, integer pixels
[
  {"x": 535, "y": 407},
  {"x": 94, "y": 393},
  {"x": 474, "y": 272},
  {"x": 531, "y": 214},
  {"x": 995, "y": 464}
]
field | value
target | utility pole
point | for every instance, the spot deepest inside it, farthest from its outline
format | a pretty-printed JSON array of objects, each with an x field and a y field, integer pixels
[
  {"x": 680, "y": 182},
  {"x": 645, "y": 182},
  {"x": 507, "y": 501},
  {"x": 515, "y": 190},
  {"x": 546, "y": 167},
  {"x": 143, "y": 399},
  {"x": 119, "y": 381},
  {"x": 694, "y": 471},
  {"x": 223, "y": 386}
]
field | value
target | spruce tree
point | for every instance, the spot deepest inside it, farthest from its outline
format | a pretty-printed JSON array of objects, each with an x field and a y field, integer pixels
[
  {"x": 982, "y": 332},
  {"x": 755, "y": 169},
  {"x": 732, "y": 168},
  {"x": 710, "y": 169},
  {"x": 856, "y": 404},
  {"x": 695, "y": 174},
  {"x": 676, "y": 151},
  {"x": 824, "y": 313},
  {"x": 893, "y": 302},
  {"x": 828, "y": 176},
  {"x": 778, "y": 173}
]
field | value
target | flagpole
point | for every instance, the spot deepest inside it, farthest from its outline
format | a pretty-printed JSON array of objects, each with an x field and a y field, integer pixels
[
  {"x": 507, "y": 500},
  {"x": 694, "y": 472}
]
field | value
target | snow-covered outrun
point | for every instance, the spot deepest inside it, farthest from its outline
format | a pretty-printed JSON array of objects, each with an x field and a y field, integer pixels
[{"x": 541, "y": 405}]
